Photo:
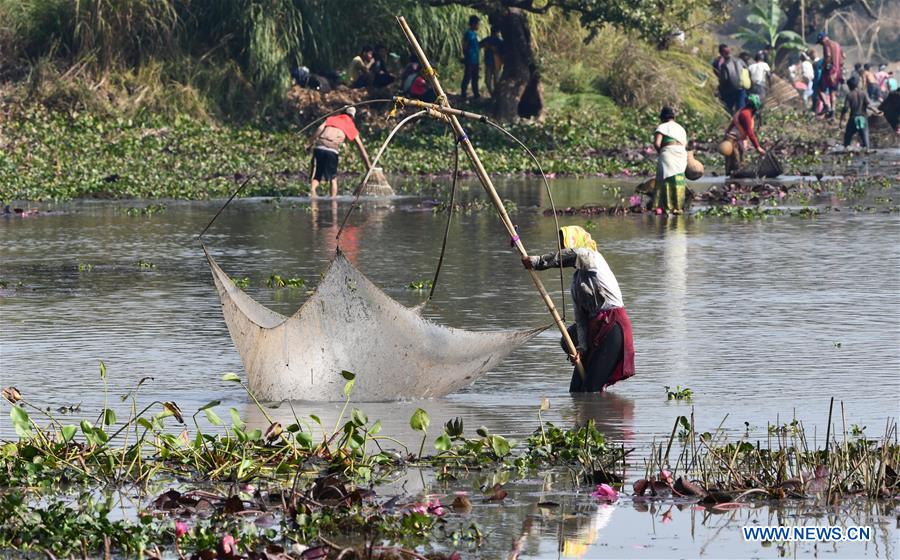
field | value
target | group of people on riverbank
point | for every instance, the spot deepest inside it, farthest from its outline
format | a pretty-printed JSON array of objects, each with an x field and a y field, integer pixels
[
  {"x": 375, "y": 67},
  {"x": 743, "y": 88}
]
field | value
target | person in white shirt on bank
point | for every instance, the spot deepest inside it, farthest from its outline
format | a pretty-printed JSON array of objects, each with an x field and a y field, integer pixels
[{"x": 760, "y": 76}]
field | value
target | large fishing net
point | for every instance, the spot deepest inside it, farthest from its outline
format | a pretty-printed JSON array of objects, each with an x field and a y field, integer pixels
[{"x": 350, "y": 324}]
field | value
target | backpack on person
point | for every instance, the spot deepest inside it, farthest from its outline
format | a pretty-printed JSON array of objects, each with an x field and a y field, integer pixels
[
  {"x": 731, "y": 73},
  {"x": 746, "y": 83}
]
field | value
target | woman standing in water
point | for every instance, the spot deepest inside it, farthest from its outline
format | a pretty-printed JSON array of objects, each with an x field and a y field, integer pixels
[
  {"x": 602, "y": 329},
  {"x": 670, "y": 141}
]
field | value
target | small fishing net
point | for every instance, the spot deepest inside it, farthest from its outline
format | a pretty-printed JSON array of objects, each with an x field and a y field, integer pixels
[{"x": 350, "y": 324}]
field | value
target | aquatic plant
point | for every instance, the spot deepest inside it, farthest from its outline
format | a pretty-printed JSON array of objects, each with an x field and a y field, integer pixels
[
  {"x": 241, "y": 282},
  {"x": 145, "y": 264},
  {"x": 420, "y": 285},
  {"x": 742, "y": 212},
  {"x": 85, "y": 267},
  {"x": 149, "y": 210},
  {"x": 717, "y": 471},
  {"x": 679, "y": 393},
  {"x": 256, "y": 492},
  {"x": 278, "y": 281}
]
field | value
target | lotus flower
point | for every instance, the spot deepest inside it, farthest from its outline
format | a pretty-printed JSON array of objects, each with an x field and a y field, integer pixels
[
  {"x": 634, "y": 200},
  {"x": 436, "y": 508},
  {"x": 665, "y": 476},
  {"x": 229, "y": 547},
  {"x": 181, "y": 529},
  {"x": 605, "y": 493}
]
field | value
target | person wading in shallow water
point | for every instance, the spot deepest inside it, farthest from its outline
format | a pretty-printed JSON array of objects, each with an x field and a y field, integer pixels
[
  {"x": 739, "y": 131},
  {"x": 670, "y": 141},
  {"x": 327, "y": 143},
  {"x": 602, "y": 329}
]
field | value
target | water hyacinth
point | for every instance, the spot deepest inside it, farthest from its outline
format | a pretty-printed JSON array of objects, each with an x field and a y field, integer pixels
[{"x": 605, "y": 493}]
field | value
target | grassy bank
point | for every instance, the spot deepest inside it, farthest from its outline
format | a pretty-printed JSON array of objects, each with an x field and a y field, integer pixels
[
  {"x": 173, "y": 123},
  {"x": 56, "y": 155}
]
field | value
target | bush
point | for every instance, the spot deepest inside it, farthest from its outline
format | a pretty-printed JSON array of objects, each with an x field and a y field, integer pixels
[
  {"x": 645, "y": 78},
  {"x": 576, "y": 78}
]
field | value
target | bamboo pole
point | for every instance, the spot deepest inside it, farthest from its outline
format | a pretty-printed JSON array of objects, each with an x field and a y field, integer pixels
[
  {"x": 443, "y": 109},
  {"x": 485, "y": 179}
]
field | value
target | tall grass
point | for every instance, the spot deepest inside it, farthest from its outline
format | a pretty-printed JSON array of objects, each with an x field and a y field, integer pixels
[{"x": 257, "y": 41}]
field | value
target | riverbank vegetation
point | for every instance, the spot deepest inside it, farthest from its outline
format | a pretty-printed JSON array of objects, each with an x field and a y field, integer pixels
[
  {"x": 159, "y": 484},
  {"x": 166, "y": 100}
]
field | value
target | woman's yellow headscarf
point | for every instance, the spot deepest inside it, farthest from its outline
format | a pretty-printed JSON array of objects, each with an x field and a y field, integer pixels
[{"x": 575, "y": 237}]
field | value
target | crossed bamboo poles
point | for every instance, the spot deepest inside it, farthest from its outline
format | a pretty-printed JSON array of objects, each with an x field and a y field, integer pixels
[{"x": 443, "y": 108}]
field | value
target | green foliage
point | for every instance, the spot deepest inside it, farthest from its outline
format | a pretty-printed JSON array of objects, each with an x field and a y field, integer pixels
[
  {"x": 419, "y": 285},
  {"x": 679, "y": 393},
  {"x": 278, "y": 281},
  {"x": 241, "y": 282},
  {"x": 741, "y": 212},
  {"x": 577, "y": 78},
  {"x": 767, "y": 17},
  {"x": 208, "y": 49}
]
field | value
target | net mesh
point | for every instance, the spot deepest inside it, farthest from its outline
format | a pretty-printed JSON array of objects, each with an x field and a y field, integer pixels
[{"x": 350, "y": 324}]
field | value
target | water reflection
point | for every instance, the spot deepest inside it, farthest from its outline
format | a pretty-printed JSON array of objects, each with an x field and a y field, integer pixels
[
  {"x": 673, "y": 231},
  {"x": 612, "y": 413}
]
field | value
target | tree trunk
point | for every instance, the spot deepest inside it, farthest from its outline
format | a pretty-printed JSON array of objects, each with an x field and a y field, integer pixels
[{"x": 518, "y": 90}]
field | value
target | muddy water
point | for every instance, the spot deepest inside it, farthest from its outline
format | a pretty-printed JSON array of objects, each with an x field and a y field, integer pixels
[{"x": 763, "y": 320}]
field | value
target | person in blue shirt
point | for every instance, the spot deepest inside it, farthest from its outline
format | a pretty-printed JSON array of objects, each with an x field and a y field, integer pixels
[{"x": 470, "y": 48}]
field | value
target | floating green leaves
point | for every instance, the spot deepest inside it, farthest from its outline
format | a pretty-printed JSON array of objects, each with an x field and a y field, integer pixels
[
  {"x": 419, "y": 422},
  {"x": 278, "y": 281},
  {"x": 21, "y": 421},
  {"x": 679, "y": 393},
  {"x": 420, "y": 285}
]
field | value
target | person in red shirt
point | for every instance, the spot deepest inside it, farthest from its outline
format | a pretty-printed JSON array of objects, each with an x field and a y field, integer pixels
[
  {"x": 739, "y": 131},
  {"x": 326, "y": 143}
]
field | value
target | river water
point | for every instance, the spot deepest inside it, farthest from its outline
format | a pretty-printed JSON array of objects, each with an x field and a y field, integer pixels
[{"x": 765, "y": 320}]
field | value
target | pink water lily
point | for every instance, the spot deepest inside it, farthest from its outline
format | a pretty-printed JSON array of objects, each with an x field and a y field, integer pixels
[
  {"x": 435, "y": 507},
  {"x": 229, "y": 546},
  {"x": 430, "y": 507},
  {"x": 665, "y": 476},
  {"x": 634, "y": 200},
  {"x": 605, "y": 493},
  {"x": 181, "y": 529}
]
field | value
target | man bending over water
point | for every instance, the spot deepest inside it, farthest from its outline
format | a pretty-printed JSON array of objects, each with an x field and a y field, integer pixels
[{"x": 327, "y": 142}]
